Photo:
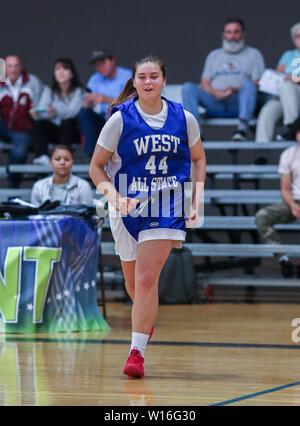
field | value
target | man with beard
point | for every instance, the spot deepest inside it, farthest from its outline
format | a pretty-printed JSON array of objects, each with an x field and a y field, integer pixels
[{"x": 229, "y": 80}]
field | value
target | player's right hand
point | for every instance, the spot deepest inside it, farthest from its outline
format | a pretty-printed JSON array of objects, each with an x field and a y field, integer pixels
[
  {"x": 192, "y": 220},
  {"x": 126, "y": 204}
]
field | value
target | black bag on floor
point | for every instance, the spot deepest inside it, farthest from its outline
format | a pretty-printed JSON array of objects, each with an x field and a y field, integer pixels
[{"x": 177, "y": 282}]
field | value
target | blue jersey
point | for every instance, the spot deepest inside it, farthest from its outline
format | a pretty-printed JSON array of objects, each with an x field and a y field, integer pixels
[{"x": 155, "y": 165}]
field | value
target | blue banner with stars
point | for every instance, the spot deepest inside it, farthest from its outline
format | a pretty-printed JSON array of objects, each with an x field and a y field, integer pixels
[{"x": 48, "y": 268}]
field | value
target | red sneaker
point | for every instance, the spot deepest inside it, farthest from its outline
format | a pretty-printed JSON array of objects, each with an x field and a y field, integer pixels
[
  {"x": 151, "y": 332},
  {"x": 135, "y": 364}
]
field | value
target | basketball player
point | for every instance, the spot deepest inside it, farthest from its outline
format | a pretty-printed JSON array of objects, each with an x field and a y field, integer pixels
[{"x": 151, "y": 147}]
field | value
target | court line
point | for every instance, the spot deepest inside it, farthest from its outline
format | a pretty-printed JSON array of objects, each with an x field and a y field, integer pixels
[
  {"x": 6, "y": 338},
  {"x": 253, "y": 395}
]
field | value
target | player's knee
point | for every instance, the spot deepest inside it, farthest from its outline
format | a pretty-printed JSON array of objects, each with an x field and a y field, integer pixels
[{"x": 146, "y": 279}]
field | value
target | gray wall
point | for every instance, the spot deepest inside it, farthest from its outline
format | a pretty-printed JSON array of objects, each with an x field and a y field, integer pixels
[{"x": 182, "y": 32}]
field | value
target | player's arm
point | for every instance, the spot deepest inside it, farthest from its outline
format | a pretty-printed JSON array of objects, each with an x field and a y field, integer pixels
[
  {"x": 104, "y": 184},
  {"x": 198, "y": 174},
  {"x": 98, "y": 174},
  {"x": 286, "y": 183}
]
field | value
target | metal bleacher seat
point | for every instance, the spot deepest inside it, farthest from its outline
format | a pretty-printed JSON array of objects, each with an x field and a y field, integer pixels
[
  {"x": 253, "y": 146},
  {"x": 3, "y": 171},
  {"x": 23, "y": 193},
  {"x": 246, "y": 223},
  {"x": 4, "y": 146},
  {"x": 228, "y": 250},
  {"x": 226, "y": 170},
  {"x": 224, "y": 196},
  {"x": 231, "y": 223},
  {"x": 242, "y": 196},
  {"x": 44, "y": 170}
]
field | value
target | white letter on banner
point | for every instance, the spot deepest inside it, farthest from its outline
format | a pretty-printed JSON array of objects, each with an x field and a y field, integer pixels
[{"x": 44, "y": 258}]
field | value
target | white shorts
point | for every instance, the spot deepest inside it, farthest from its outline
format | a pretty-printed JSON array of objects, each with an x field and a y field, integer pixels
[{"x": 126, "y": 245}]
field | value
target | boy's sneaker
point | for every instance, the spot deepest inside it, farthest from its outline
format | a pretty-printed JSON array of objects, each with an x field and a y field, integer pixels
[
  {"x": 151, "y": 332},
  {"x": 239, "y": 136},
  {"x": 288, "y": 134},
  {"x": 287, "y": 268},
  {"x": 43, "y": 160},
  {"x": 135, "y": 364}
]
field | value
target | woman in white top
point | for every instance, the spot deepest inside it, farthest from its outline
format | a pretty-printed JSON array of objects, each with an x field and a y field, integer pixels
[{"x": 57, "y": 110}]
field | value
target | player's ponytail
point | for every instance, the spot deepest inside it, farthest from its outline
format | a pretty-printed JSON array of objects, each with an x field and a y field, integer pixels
[
  {"x": 127, "y": 93},
  {"x": 129, "y": 90}
]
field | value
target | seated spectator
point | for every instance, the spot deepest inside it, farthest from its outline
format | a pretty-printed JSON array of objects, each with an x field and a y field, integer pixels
[
  {"x": 102, "y": 87},
  {"x": 229, "y": 80},
  {"x": 57, "y": 110},
  {"x": 289, "y": 210},
  {"x": 62, "y": 185},
  {"x": 287, "y": 104},
  {"x": 18, "y": 94}
]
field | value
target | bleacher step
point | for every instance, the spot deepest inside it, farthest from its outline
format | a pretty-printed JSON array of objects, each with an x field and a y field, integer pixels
[{"x": 243, "y": 281}]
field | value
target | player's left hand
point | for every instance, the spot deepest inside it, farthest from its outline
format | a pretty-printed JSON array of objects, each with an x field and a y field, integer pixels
[{"x": 192, "y": 220}]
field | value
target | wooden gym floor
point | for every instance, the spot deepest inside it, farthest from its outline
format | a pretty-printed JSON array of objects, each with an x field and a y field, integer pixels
[{"x": 218, "y": 354}]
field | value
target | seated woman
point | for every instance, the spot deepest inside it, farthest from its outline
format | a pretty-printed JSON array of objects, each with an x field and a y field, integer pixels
[
  {"x": 287, "y": 104},
  {"x": 56, "y": 113},
  {"x": 62, "y": 185}
]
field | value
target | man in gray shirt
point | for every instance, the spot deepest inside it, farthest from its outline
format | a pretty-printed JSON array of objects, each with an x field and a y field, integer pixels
[{"x": 229, "y": 80}]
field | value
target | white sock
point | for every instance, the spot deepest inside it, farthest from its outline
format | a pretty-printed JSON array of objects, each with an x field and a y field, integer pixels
[{"x": 139, "y": 341}]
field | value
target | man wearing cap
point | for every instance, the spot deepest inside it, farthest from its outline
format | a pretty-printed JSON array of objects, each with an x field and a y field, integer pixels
[{"x": 103, "y": 86}]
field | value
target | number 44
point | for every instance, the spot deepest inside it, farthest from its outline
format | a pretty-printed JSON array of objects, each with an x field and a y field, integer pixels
[{"x": 162, "y": 165}]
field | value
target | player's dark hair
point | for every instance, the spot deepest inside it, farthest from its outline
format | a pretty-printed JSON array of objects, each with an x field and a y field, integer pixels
[
  {"x": 129, "y": 90},
  {"x": 65, "y": 147},
  {"x": 235, "y": 21}
]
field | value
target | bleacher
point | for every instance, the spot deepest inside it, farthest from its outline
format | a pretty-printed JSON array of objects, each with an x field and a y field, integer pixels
[{"x": 220, "y": 239}]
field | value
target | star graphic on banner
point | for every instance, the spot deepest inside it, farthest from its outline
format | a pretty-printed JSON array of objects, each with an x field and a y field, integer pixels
[
  {"x": 29, "y": 307},
  {"x": 86, "y": 286},
  {"x": 58, "y": 296},
  {"x": 77, "y": 289},
  {"x": 66, "y": 293},
  {"x": 93, "y": 283}
]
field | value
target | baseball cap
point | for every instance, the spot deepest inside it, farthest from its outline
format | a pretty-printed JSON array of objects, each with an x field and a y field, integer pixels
[{"x": 100, "y": 54}]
